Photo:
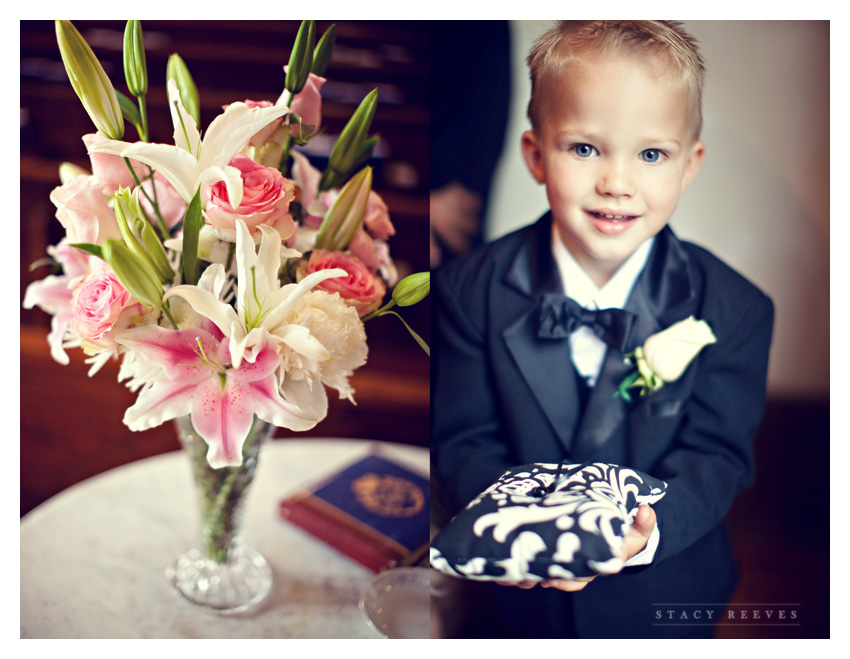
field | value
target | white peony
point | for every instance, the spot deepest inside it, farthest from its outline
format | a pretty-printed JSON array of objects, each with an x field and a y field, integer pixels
[{"x": 340, "y": 331}]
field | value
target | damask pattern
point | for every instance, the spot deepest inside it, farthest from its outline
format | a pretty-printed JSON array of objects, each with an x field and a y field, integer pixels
[{"x": 545, "y": 521}]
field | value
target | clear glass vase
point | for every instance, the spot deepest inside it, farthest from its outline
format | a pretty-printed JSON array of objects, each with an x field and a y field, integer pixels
[{"x": 222, "y": 574}]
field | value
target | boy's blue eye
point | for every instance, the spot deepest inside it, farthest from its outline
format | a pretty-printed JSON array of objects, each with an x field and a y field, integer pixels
[
  {"x": 584, "y": 150},
  {"x": 650, "y": 155}
]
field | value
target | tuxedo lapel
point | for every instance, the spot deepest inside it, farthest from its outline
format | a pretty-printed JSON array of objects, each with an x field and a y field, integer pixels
[
  {"x": 663, "y": 294},
  {"x": 545, "y": 364}
]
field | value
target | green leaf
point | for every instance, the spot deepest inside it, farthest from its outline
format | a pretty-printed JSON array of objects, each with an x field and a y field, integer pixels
[
  {"x": 192, "y": 222},
  {"x": 129, "y": 110},
  {"x": 623, "y": 388},
  {"x": 94, "y": 250}
]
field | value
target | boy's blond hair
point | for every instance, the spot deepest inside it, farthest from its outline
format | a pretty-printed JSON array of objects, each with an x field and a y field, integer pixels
[{"x": 570, "y": 41}]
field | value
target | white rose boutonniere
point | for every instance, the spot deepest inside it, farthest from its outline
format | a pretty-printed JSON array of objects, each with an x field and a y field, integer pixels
[{"x": 665, "y": 356}]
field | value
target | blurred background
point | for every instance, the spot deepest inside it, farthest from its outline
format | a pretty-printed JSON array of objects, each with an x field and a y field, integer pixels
[
  {"x": 761, "y": 203},
  {"x": 71, "y": 425}
]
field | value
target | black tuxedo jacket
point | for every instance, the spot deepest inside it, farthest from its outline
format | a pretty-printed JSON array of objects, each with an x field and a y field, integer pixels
[{"x": 502, "y": 397}]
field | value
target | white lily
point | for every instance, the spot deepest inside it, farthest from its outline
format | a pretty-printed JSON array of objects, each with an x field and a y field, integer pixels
[
  {"x": 262, "y": 303},
  {"x": 192, "y": 162}
]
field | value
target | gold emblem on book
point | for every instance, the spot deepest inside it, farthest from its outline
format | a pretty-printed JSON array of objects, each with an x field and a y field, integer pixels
[{"x": 388, "y": 496}]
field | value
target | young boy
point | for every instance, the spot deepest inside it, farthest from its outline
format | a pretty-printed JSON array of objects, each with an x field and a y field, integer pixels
[{"x": 616, "y": 116}]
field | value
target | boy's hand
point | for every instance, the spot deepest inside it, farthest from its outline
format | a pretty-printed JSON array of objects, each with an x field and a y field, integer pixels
[{"x": 635, "y": 542}]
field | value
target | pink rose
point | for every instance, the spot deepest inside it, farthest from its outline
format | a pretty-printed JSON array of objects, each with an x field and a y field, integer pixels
[
  {"x": 82, "y": 210},
  {"x": 111, "y": 170},
  {"x": 361, "y": 289},
  {"x": 265, "y": 200},
  {"x": 307, "y": 104},
  {"x": 101, "y": 308},
  {"x": 55, "y": 294}
]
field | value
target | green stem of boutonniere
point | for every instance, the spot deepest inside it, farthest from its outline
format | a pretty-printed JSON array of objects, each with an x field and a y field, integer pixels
[
  {"x": 643, "y": 377},
  {"x": 627, "y": 383}
]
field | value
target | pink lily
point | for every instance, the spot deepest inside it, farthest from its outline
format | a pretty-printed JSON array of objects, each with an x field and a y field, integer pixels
[{"x": 198, "y": 378}]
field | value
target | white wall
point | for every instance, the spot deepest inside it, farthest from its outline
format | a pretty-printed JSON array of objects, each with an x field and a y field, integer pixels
[{"x": 761, "y": 201}]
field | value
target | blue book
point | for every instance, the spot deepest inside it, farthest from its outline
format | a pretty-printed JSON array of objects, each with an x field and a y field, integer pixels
[{"x": 374, "y": 511}]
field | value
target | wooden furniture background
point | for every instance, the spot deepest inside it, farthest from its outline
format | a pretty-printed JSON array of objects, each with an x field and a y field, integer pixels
[{"x": 71, "y": 425}]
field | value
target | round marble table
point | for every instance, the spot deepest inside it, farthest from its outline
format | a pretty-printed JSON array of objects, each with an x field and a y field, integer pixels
[{"x": 93, "y": 558}]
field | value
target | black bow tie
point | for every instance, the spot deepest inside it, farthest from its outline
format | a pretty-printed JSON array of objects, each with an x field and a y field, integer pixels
[{"x": 561, "y": 316}]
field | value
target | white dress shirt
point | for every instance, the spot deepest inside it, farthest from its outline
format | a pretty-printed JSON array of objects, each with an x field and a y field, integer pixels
[{"x": 588, "y": 350}]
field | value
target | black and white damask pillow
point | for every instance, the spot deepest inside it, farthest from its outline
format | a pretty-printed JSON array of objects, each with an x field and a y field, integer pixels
[{"x": 545, "y": 521}]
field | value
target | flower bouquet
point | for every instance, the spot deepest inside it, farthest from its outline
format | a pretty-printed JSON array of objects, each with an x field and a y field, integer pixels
[{"x": 229, "y": 276}]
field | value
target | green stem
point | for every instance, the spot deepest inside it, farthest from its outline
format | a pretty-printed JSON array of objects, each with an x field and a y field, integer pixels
[
  {"x": 380, "y": 312},
  {"x": 163, "y": 230},
  {"x": 168, "y": 315},
  {"x": 143, "y": 113},
  {"x": 283, "y": 166},
  {"x": 220, "y": 491},
  {"x": 231, "y": 252},
  {"x": 415, "y": 336},
  {"x": 284, "y": 158}
]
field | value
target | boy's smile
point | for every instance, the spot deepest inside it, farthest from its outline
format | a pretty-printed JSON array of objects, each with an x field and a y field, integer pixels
[{"x": 615, "y": 150}]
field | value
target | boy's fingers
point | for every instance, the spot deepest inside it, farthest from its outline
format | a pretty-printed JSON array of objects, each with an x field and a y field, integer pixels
[
  {"x": 641, "y": 530},
  {"x": 525, "y": 585},
  {"x": 645, "y": 520},
  {"x": 568, "y": 585}
]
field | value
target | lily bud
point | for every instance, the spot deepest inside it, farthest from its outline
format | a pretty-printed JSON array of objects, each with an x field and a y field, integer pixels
[
  {"x": 301, "y": 59},
  {"x": 351, "y": 146},
  {"x": 324, "y": 50},
  {"x": 156, "y": 253},
  {"x": 90, "y": 81},
  {"x": 135, "y": 274},
  {"x": 346, "y": 214},
  {"x": 68, "y": 171},
  {"x": 135, "y": 66},
  {"x": 412, "y": 289},
  {"x": 176, "y": 69},
  {"x": 139, "y": 235}
]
